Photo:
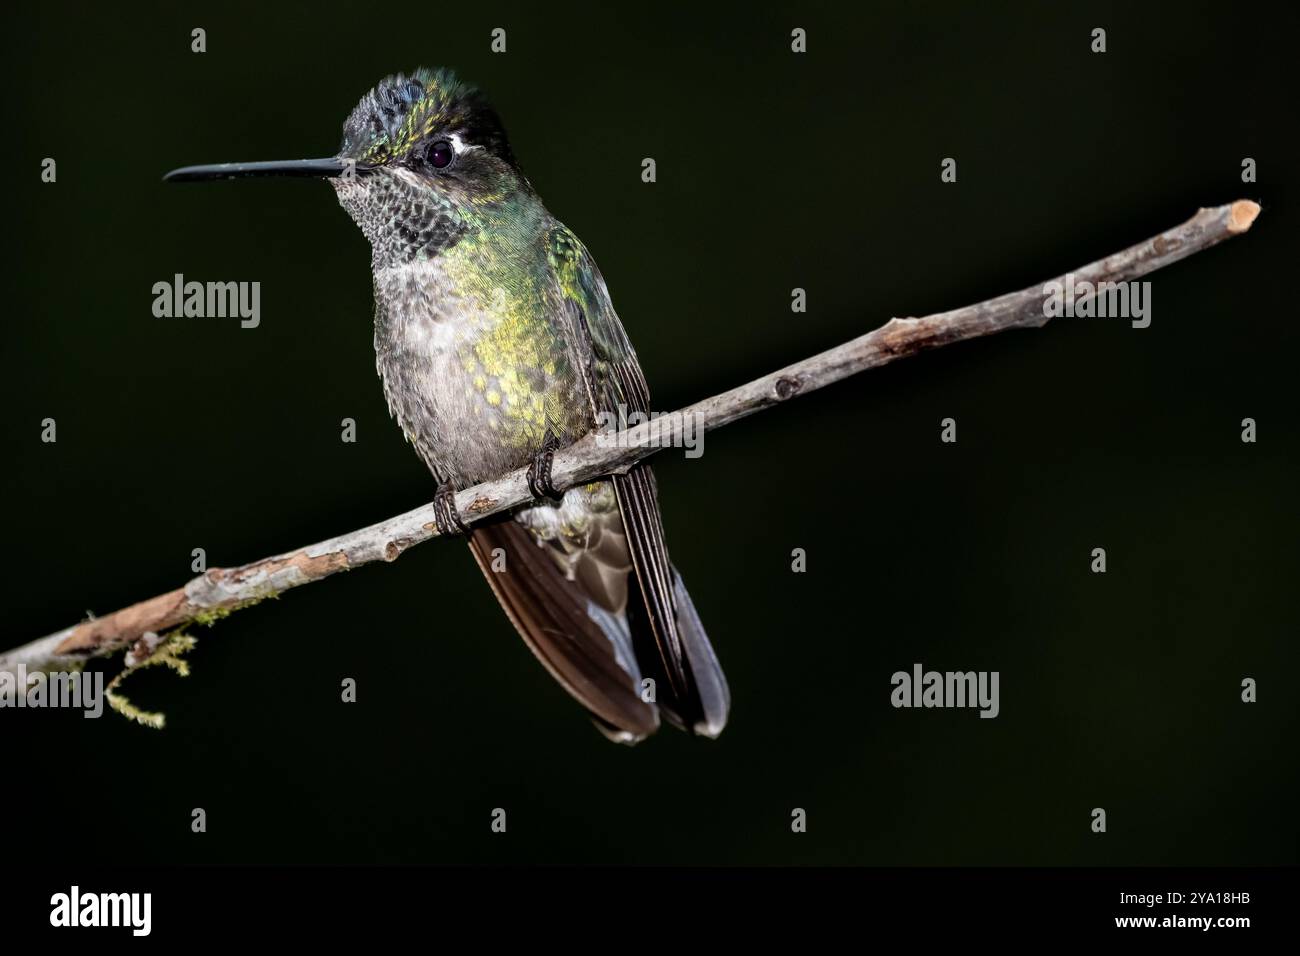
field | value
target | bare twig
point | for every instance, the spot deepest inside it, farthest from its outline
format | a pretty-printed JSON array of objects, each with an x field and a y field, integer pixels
[{"x": 223, "y": 590}]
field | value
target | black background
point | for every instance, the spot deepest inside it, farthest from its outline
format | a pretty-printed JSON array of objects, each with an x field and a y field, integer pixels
[{"x": 775, "y": 170}]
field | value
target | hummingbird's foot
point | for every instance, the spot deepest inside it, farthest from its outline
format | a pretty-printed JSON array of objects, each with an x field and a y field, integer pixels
[
  {"x": 539, "y": 471},
  {"x": 445, "y": 515}
]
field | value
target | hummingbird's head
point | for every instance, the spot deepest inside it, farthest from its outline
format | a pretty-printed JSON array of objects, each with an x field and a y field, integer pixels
[
  {"x": 425, "y": 151},
  {"x": 420, "y": 154},
  {"x": 430, "y": 124}
]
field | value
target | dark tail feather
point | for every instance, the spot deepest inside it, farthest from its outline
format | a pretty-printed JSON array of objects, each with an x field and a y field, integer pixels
[
  {"x": 585, "y": 648},
  {"x": 714, "y": 697},
  {"x": 702, "y": 708},
  {"x": 638, "y": 501}
]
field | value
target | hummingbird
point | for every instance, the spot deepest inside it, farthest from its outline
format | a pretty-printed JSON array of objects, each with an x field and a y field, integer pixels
[{"x": 497, "y": 345}]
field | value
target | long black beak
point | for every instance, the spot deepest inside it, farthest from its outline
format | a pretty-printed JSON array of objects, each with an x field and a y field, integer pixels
[{"x": 315, "y": 168}]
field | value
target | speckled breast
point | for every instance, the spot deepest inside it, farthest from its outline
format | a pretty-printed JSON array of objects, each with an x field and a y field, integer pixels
[{"x": 474, "y": 369}]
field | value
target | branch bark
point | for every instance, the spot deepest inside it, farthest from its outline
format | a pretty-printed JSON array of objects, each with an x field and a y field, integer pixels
[{"x": 224, "y": 590}]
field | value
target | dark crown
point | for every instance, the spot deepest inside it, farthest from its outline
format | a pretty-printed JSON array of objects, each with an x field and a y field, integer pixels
[{"x": 402, "y": 111}]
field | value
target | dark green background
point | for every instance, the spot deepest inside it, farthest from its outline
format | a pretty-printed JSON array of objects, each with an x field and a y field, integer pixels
[{"x": 775, "y": 171}]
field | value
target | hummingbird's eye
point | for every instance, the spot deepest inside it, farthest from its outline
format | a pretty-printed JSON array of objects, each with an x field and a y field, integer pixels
[{"x": 440, "y": 154}]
